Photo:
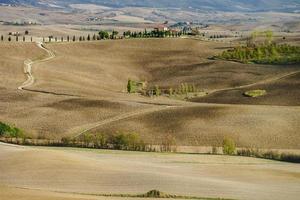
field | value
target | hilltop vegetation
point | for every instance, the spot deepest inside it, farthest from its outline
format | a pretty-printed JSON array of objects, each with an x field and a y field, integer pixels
[
  {"x": 261, "y": 49},
  {"x": 264, "y": 54}
]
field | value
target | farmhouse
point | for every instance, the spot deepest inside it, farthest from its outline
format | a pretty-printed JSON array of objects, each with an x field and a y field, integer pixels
[{"x": 161, "y": 27}]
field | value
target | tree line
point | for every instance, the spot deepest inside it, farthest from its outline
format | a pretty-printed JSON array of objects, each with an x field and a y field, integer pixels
[
  {"x": 133, "y": 142},
  {"x": 101, "y": 35}
]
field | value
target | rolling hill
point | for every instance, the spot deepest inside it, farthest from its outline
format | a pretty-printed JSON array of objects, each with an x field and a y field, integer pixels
[{"x": 213, "y": 5}]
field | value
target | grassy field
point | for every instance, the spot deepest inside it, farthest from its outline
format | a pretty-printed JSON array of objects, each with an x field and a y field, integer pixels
[{"x": 60, "y": 173}]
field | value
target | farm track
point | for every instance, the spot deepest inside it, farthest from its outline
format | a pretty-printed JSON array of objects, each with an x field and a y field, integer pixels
[
  {"x": 269, "y": 80},
  {"x": 122, "y": 117},
  {"x": 30, "y": 78}
]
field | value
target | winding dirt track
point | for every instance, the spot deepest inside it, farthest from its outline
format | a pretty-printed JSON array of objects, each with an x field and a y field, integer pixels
[{"x": 28, "y": 67}]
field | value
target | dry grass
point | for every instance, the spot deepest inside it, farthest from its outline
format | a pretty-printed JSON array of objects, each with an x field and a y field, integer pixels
[{"x": 116, "y": 172}]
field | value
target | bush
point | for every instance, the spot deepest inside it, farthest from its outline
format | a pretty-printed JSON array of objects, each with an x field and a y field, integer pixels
[
  {"x": 228, "y": 146},
  {"x": 9, "y": 131},
  {"x": 255, "y": 93}
]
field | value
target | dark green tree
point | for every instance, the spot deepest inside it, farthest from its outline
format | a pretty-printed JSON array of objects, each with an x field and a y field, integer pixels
[
  {"x": 103, "y": 35},
  {"x": 131, "y": 86}
]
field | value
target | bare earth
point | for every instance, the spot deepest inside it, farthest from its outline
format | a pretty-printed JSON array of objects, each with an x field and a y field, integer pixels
[
  {"x": 83, "y": 88},
  {"x": 53, "y": 170}
]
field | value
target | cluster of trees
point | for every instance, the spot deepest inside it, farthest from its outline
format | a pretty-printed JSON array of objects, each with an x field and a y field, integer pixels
[
  {"x": 119, "y": 141},
  {"x": 259, "y": 38},
  {"x": 136, "y": 86},
  {"x": 267, "y": 54},
  {"x": 141, "y": 87},
  {"x": 10, "y": 131},
  {"x": 153, "y": 34},
  {"x": 260, "y": 48}
]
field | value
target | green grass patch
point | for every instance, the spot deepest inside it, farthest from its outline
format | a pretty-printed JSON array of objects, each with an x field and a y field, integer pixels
[{"x": 255, "y": 93}]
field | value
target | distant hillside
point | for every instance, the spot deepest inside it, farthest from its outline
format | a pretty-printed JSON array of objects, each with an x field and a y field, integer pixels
[{"x": 215, "y": 5}]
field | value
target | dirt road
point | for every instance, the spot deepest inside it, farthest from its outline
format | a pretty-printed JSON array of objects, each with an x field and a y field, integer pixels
[{"x": 28, "y": 66}]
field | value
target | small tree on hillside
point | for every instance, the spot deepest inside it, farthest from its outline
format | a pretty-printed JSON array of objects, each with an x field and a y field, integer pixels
[
  {"x": 114, "y": 34},
  {"x": 103, "y": 35},
  {"x": 228, "y": 146},
  {"x": 157, "y": 91},
  {"x": 131, "y": 86}
]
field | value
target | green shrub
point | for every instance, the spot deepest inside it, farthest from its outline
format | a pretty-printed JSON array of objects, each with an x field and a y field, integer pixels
[
  {"x": 157, "y": 90},
  {"x": 4, "y": 128},
  {"x": 255, "y": 93},
  {"x": 228, "y": 146},
  {"x": 131, "y": 86},
  {"x": 9, "y": 131}
]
